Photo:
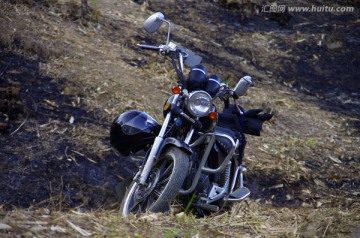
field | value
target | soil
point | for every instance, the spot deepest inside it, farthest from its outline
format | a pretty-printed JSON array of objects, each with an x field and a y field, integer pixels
[{"x": 66, "y": 72}]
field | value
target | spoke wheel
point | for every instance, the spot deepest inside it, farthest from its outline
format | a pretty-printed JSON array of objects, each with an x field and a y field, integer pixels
[{"x": 164, "y": 182}]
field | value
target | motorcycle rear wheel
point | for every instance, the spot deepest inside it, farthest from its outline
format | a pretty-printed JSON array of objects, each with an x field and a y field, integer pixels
[{"x": 164, "y": 183}]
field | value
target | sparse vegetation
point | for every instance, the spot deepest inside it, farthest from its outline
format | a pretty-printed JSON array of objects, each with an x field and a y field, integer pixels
[{"x": 69, "y": 77}]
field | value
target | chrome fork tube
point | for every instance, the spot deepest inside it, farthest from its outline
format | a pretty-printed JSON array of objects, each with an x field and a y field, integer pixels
[
  {"x": 156, "y": 147},
  {"x": 189, "y": 135}
]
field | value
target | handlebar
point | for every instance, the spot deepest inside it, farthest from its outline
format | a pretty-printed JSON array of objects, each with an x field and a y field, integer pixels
[
  {"x": 149, "y": 47},
  {"x": 171, "y": 47}
]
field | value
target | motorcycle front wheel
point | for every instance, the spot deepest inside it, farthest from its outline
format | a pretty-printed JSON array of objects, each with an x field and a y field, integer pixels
[{"x": 164, "y": 183}]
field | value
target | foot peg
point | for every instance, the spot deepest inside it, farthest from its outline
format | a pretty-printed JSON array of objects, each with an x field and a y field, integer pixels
[{"x": 239, "y": 194}]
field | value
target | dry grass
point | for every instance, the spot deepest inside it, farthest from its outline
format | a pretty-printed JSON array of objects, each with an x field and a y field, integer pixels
[
  {"x": 247, "y": 219},
  {"x": 304, "y": 144}
]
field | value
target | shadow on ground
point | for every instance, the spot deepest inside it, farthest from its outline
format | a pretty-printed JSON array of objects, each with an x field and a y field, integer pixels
[{"x": 43, "y": 162}]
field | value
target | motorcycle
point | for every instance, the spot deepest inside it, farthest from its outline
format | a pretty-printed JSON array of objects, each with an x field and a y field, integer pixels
[{"x": 195, "y": 157}]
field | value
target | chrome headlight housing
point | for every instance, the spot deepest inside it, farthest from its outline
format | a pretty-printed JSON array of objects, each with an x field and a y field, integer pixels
[{"x": 199, "y": 103}]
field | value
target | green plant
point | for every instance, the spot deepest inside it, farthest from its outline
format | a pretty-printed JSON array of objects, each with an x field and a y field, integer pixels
[{"x": 310, "y": 142}]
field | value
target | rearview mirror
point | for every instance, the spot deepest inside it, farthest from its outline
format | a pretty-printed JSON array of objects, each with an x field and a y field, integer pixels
[
  {"x": 242, "y": 86},
  {"x": 153, "y": 23}
]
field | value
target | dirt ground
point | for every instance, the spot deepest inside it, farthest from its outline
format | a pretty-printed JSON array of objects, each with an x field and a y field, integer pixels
[{"x": 66, "y": 71}]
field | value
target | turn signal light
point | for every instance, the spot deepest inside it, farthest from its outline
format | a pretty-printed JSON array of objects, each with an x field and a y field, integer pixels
[
  {"x": 213, "y": 115},
  {"x": 166, "y": 106},
  {"x": 176, "y": 90}
]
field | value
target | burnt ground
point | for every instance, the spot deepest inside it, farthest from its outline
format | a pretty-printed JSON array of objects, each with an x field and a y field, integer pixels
[
  {"x": 65, "y": 76},
  {"x": 35, "y": 170}
]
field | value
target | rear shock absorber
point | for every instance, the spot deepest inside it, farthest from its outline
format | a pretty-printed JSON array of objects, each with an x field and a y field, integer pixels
[{"x": 225, "y": 176}]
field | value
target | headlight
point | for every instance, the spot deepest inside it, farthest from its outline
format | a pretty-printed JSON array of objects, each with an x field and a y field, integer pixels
[{"x": 199, "y": 103}]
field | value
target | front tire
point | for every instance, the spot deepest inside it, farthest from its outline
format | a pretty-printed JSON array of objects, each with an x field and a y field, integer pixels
[{"x": 164, "y": 183}]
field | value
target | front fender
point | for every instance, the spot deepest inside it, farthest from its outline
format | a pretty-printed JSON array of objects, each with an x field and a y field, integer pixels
[{"x": 175, "y": 142}]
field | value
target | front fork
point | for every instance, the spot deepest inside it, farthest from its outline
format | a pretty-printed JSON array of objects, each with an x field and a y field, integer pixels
[
  {"x": 143, "y": 174},
  {"x": 154, "y": 151}
]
